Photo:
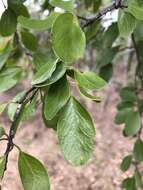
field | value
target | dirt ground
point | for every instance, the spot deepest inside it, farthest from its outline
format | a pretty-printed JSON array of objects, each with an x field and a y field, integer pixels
[{"x": 101, "y": 173}]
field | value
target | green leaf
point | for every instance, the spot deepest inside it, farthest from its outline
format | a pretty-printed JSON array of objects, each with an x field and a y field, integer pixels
[
  {"x": 126, "y": 23},
  {"x": 57, "y": 74},
  {"x": 4, "y": 54},
  {"x": 39, "y": 59},
  {"x": 136, "y": 9},
  {"x": 36, "y": 24},
  {"x": 68, "y": 40},
  {"x": 110, "y": 35},
  {"x": 50, "y": 123},
  {"x": 138, "y": 179},
  {"x": 8, "y": 23},
  {"x": 133, "y": 123},
  {"x": 29, "y": 40},
  {"x": 106, "y": 72},
  {"x": 128, "y": 94},
  {"x": 66, "y": 5},
  {"x": 138, "y": 150},
  {"x": 92, "y": 30},
  {"x": 126, "y": 163},
  {"x": 88, "y": 95},
  {"x": 76, "y": 133},
  {"x": 9, "y": 77},
  {"x": 56, "y": 97},
  {"x": 121, "y": 115},
  {"x": 32, "y": 173},
  {"x": 19, "y": 9},
  {"x": 106, "y": 56},
  {"x": 129, "y": 183},
  {"x": 2, "y": 165},
  {"x": 89, "y": 80},
  {"x": 45, "y": 72}
]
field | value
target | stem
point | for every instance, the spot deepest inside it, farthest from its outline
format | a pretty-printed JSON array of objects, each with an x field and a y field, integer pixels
[
  {"x": 115, "y": 5},
  {"x": 3, "y": 4},
  {"x": 22, "y": 102}
]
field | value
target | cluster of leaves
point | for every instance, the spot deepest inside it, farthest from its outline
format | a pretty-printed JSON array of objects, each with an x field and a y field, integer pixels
[{"x": 50, "y": 62}]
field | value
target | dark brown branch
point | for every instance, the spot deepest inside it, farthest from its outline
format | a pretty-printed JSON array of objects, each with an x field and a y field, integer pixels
[
  {"x": 22, "y": 102},
  {"x": 104, "y": 12}
]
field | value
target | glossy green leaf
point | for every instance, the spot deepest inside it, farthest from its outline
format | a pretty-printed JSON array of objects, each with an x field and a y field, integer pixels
[
  {"x": 56, "y": 97},
  {"x": 4, "y": 54},
  {"x": 126, "y": 163},
  {"x": 2, "y": 165},
  {"x": 89, "y": 80},
  {"x": 68, "y": 40},
  {"x": 29, "y": 40},
  {"x": 129, "y": 184},
  {"x": 8, "y": 23},
  {"x": 126, "y": 24},
  {"x": 32, "y": 173},
  {"x": 138, "y": 150},
  {"x": 36, "y": 24},
  {"x": 136, "y": 9},
  {"x": 76, "y": 133},
  {"x": 45, "y": 72},
  {"x": 66, "y": 5},
  {"x": 133, "y": 123},
  {"x": 57, "y": 74},
  {"x": 88, "y": 95}
]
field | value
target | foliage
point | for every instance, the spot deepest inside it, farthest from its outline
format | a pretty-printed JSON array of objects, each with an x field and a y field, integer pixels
[{"x": 47, "y": 50}]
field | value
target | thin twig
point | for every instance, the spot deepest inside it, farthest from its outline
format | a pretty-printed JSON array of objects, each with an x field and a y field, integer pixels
[
  {"x": 3, "y": 4},
  {"x": 104, "y": 12},
  {"x": 22, "y": 102}
]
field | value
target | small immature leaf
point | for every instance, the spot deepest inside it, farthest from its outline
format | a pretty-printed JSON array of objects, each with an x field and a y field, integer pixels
[
  {"x": 133, "y": 123},
  {"x": 56, "y": 98},
  {"x": 36, "y": 24},
  {"x": 45, "y": 72},
  {"x": 126, "y": 163},
  {"x": 8, "y": 23},
  {"x": 32, "y": 172},
  {"x": 68, "y": 39},
  {"x": 89, "y": 80},
  {"x": 126, "y": 23},
  {"x": 2, "y": 165},
  {"x": 138, "y": 150},
  {"x": 29, "y": 40},
  {"x": 76, "y": 133}
]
